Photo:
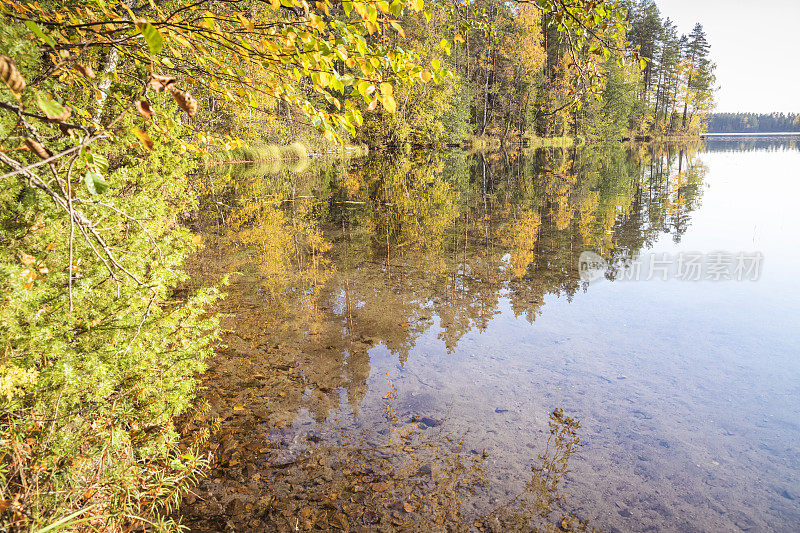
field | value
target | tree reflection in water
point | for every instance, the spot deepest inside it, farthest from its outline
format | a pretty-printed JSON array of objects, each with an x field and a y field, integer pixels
[{"x": 341, "y": 257}]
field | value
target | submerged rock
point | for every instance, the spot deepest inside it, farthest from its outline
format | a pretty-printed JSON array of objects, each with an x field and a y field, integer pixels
[{"x": 426, "y": 422}]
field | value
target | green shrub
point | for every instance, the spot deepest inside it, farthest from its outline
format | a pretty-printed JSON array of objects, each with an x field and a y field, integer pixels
[{"x": 88, "y": 395}]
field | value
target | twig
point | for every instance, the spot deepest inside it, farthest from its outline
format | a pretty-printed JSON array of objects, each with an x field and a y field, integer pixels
[
  {"x": 71, "y": 229},
  {"x": 127, "y": 216},
  {"x": 19, "y": 169},
  {"x": 16, "y": 109}
]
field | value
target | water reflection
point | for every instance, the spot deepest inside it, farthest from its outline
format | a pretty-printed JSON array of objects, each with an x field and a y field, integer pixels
[
  {"x": 752, "y": 143},
  {"x": 369, "y": 253},
  {"x": 335, "y": 260}
]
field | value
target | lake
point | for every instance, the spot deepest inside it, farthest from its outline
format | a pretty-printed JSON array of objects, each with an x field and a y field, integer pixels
[{"x": 649, "y": 292}]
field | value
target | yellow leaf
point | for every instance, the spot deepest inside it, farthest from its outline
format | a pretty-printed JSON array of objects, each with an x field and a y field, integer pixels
[
  {"x": 324, "y": 7},
  {"x": 361, "y": 9},
  {"x": 276, "y": 4},
  {"x": 145, "y": 139},
  {"x": 425, "y": 75},
  {"x": 238, "y": 407},
  {"x": 399, "y": 29},
  {"x": 246, "y": 24},
  {"x": 389, "y": 104},
  {"x": 386, "y": 89},
  {"x": 28, "y": 276}
]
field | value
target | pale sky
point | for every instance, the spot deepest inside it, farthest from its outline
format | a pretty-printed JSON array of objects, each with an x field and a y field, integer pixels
[{"x": 756, "y": 46}]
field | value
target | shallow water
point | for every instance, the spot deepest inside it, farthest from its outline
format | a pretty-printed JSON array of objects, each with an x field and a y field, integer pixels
[{"x": 457, "y": 278}]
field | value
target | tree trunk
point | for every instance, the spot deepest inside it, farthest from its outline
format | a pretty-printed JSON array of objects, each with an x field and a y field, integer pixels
[{"x": 112, "y": 58}]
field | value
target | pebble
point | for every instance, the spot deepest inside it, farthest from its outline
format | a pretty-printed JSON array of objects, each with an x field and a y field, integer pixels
[{"x": 429, "y": 422}]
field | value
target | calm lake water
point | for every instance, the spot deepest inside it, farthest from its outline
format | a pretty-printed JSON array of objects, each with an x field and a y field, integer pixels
[{"x": 456, "y": 279}]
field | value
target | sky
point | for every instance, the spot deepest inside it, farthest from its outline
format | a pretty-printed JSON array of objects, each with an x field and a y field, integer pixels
[{"x": 756, "y": 46}]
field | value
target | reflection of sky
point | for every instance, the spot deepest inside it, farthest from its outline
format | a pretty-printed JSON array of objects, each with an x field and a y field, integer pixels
[
  {"x": 709, "y": 368},
  {"x": 749, "y": 205}
]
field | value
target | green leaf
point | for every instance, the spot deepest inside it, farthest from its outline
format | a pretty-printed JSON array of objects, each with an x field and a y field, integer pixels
[
  {"x": 154, "y": 40},
  {"x": 100, "y": 163},
  {"x": 50, "y": 107},
  {"x": 95, "y": 161},
  {"x": 95, "y": 182},
  {"x": 39, "y": 33}
]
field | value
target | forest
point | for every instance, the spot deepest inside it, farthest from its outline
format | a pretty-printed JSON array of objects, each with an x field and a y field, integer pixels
[
  {"x": 111, "y": 113},
  {"x": 753, "y": 122}
]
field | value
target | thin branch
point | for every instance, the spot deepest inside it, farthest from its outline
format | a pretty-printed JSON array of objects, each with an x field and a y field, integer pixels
[
  {"x": 19, "y": 169},
  {"x": 71, "y": 229},
  {"x": 17, "y": 109}
]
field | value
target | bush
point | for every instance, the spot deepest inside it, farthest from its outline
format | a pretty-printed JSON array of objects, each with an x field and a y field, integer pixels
[{"x": 88, "y": 395}]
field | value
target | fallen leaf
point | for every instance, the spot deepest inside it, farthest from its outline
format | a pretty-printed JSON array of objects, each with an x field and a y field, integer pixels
[
  {"x": 37, "y": 148},
  {"x": 10, "y": 75},
  {"x": 144, "y": 109},
  {"x": 144, "y": 138},
  {"x": 63, "y": 117},
  {"x": 160, "y": 83},
  {"x": 86, "y": 70},
  {"x": 185, "y": 101}
]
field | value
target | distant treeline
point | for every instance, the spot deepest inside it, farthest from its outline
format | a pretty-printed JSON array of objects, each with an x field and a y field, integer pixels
[{"x": 753, "y": 122}]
